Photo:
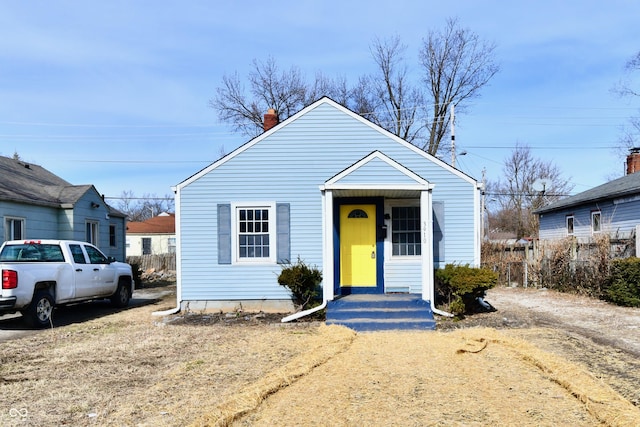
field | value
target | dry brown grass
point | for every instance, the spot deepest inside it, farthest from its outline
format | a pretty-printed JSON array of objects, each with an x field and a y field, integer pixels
[
  {"x": 128, "y": 369},
  {"x": 465, "y": 377}
]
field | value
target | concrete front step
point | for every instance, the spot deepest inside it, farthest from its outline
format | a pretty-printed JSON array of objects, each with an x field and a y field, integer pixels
[{"x": 381, "y": 312}]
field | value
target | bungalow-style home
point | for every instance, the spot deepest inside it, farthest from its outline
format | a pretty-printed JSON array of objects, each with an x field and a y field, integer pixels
[
  {"x": 154, "y": 236},
  {"x": 373, "y": 212},
  {"x": 612, "y": 208},
  {"x": 36, "y": 204}
]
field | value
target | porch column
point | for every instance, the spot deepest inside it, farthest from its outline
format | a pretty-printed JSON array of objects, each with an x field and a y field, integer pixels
[
  {"x": 327, "y": 245},
  {"x": 426, "y": 232}
]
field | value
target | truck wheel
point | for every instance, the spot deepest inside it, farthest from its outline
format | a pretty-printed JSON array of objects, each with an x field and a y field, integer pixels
[
  {"x": 122, "y": 296},
  {"x": 40, "y": 311}
]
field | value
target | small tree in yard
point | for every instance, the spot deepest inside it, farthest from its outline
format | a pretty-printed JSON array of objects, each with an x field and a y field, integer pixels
[
  {"x": 461, "y": 285},
  {"x": 623, "y": 286},
  {"x": 303, "y": 282}
]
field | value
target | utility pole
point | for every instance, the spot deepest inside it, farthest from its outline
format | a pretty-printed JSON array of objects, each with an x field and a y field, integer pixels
[
  {"x": 453, "y": 139},
  {"x": 482, "y": 204}
]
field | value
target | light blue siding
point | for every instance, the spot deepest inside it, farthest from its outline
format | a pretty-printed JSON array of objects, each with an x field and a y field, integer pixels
[
  {"x": 42, "y": 222},
  {"x": 618, "y": 219},
  {"x": 375, "y": 172},
  {"x": 289, "y": 166}
]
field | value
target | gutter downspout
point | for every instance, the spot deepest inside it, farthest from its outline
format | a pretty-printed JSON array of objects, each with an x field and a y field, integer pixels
[
  {"x": 178, "y": 262},
  {"x": 300, "y": 314},
  {"x": 440, "y": 312},
  {"x": 167, "y": 312}
]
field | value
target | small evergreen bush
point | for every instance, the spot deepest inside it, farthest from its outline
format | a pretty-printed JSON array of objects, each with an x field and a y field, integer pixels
[
  {"x": 460, "y": 285},
  {"x": 303, "y": 282},
  {"x": 623, "y": 286}
]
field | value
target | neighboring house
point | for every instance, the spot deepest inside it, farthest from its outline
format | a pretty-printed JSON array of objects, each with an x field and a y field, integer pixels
[
  {"x": 612, "y": 208},
  {"x": 36, "y": 204},
  {"x": 154, "y": 236},
  {"x": 375, "y": 213}
]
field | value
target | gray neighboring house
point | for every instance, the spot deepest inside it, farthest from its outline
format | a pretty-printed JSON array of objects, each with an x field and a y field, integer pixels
[
  {"x": 36, "y": 204},
  {"x": 612, "y": 208}
]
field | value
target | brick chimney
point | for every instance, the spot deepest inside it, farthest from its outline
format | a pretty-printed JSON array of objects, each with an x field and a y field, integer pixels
[
  {"x": 270, "y": 119},
  {"x": 633, "y": 161}
]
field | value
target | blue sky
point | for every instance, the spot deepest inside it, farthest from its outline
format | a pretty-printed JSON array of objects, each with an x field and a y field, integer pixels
[{"x": 115, "y": 93}]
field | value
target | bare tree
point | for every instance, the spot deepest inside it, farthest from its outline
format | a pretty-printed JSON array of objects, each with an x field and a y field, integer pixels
[
  {"x": 630, "y": 137},
  {"x": 145, "y": 207},
  {"x": 398, "y": 104},
  {"x": 456, "y": 64},
  {"x": 515, "y": 197},
  {"x": 284, "y": 91}
]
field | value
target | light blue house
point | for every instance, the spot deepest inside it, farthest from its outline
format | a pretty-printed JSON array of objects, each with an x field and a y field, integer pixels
[
  {"x": 375, "y": 213},
  {"x": 35, "y": 204},
  {"x": 612, "y": 208}
]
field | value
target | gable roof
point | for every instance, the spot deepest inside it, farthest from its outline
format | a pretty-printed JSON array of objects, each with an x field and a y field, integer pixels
[
  {"x": 621, "y": 187},
  {"x": 29, "y": 183},
  {"x": 402, "y": 182},
  {"x": 164, "y": 223},
  {"x": 309, "y": 108}
]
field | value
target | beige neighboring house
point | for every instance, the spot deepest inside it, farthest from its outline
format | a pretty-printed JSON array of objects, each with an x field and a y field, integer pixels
[{"x": 154, "y": 236}]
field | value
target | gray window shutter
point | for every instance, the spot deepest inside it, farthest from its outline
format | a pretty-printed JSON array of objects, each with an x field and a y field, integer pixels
[
  {"x": 224, "y": 234},
  {"x": 283, "y": 239},
  {"x": 438, "y": 232}
]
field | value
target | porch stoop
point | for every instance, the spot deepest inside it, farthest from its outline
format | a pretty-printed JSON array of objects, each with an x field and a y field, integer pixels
[{"x": 364, "y": 313}]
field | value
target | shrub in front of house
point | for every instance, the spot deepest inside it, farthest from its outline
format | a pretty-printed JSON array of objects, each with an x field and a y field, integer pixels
[
  {"x": 304, "y": 283},
  {"x": 623, "y": 286},
  {"x": 459, "y": 286}
]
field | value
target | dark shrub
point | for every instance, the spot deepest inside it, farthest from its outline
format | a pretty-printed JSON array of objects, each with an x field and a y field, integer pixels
[
  {"x": 461, "y": 285},
  {"x": 303, "y": 282},
  {"x": 623, "y": 286}
]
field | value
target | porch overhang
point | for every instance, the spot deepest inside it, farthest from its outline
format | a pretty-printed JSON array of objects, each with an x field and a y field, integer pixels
[{"x": 377, "y": 176}]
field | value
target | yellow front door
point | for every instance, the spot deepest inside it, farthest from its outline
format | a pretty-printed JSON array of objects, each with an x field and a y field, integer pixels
[{"x": 358, "y": 245}]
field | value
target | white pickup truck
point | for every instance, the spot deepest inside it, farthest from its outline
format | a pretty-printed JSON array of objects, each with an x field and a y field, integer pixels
[{"x": 38, "y": 275}]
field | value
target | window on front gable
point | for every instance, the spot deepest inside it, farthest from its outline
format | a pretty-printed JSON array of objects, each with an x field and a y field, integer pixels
[
  {"x": 405, "y": 231},
  {"x": 596, "y": 222},
  {"x": 255, "y": 233}
]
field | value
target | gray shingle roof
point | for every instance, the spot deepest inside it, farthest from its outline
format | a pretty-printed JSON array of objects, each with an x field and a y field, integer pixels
[
  {"x": 625, "y": 186},
  {"x": 28, "y": 183}
]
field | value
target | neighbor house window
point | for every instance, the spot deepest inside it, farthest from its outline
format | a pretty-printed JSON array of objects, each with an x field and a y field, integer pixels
[
  {"x": 14, "y": 229},
  {"x": 112, "y": 236},
  {"x": 570, "y": 225},
  {"x": 171, "y": 243},
  {"x": 405, "y": 230},
  {"x": 596, "y": 224},
  {"x": 255, "y": 233},
  {"x": 146, "y": 246},
  {"x": 91, "y": 232}
]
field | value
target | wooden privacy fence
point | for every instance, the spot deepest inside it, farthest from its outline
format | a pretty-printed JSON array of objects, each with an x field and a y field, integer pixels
[{"x": 156, "y": 262}]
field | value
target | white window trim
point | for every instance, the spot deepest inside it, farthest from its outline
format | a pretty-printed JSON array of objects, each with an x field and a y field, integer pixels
[
  {"x": 7, "y": 235},
  {"x": 93, "y": 224},
  {"x": 593, "y": 214},
  {"x": 567, "y": 224},
  {"x": 271, "y": 207},
  {"x": 388, "y": 241}
]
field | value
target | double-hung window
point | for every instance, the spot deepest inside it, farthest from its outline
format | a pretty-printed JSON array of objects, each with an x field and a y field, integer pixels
[
  {"x": 405, "y": 231},
  {"x": 570, "y": 220},
  {"x": 255, "y": 233},
  {"x": 14, "y": 228},
  {"x": 596, "y": 225},
  {"x": 91, "y": 232}
]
